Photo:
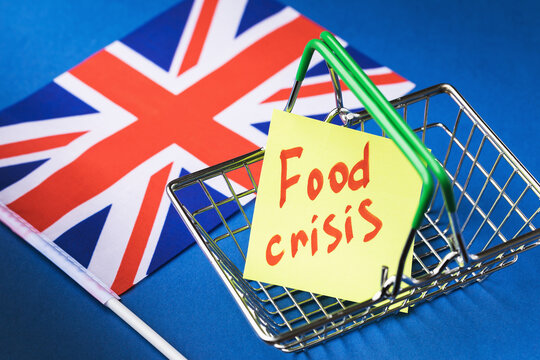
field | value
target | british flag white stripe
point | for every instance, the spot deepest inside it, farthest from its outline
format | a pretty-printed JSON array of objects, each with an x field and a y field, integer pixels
[
  {"x": 141, "y": 64},
  {"x": 221, "y": 42}
]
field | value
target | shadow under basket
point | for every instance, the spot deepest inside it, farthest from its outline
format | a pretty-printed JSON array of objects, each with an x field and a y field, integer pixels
[{"x": 497, "y": 199}]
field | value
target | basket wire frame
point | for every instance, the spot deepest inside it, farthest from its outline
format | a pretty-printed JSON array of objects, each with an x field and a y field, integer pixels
[{"x": 498, "y": 201}]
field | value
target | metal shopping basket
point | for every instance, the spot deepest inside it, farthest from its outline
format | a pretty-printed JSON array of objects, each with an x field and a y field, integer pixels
[{"x": 496, "y": 203}]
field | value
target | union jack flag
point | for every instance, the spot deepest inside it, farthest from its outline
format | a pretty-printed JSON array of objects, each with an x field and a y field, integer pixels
[{"x": 85, "y": 160}]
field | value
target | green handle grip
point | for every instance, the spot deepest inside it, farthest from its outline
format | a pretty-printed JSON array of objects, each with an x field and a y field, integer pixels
[
  {"x": 391, "y": 113},
  {"x": 372, "y": 106}
]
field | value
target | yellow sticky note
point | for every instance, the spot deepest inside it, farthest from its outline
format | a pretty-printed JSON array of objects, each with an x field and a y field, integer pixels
[{"x": 333, "y": 206}]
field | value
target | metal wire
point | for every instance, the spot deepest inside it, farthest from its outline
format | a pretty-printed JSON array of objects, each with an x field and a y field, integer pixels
[{"x": 292, "y": 320}]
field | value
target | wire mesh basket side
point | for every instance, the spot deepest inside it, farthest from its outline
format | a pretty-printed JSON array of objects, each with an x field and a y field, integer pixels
[{"x": 498, "y": 202}]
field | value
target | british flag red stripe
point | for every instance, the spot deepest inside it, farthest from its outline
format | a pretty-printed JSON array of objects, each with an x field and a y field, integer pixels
[
  {"x": 133, "y": 254},
  {"x": 197, "y": 39},
  {"x": 39, "y": 144},
  {"x": 85, "y": 160}
]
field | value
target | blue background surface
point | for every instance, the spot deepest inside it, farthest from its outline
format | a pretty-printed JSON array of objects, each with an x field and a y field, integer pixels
[{"x": 488, "y": 50}]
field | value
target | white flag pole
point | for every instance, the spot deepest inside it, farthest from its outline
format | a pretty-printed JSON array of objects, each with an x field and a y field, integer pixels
[
  {"x": 85, "y": 279},
  {"x": 144, "y": 330}
]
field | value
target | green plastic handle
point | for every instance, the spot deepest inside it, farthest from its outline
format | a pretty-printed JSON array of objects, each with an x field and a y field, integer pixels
[
  {"x": 397, "y": 120},
  {"x": 377, "y": 113}
]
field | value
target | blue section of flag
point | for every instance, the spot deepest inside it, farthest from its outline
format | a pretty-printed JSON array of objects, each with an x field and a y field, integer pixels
[
  {"x": 51, "y": 101},
  {"x": 80, "y": 241},
  {"x": 175, "y": 236},
  {"x": 319, "y": 69},
  {"x": 262, "y": 126},
  {"x": 11, "y": 174},
  {"x": 158, "y": 38},
  {"x": 362, "y": 60},
  {"x": 257, "y": 11}
]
